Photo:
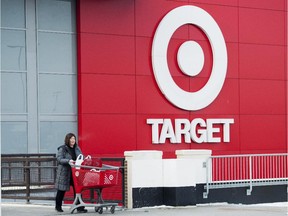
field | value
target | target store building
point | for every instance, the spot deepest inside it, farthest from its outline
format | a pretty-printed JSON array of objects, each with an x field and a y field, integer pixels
[
  {"x": 131, "y": 75},
  {"x": 218, "y": 67}
]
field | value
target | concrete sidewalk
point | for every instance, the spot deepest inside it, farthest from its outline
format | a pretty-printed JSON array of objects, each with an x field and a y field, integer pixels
[{"x": 273, "y": 209}]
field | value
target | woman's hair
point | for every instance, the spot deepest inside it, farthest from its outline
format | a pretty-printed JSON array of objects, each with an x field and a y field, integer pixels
[{"x": 68, "y": 137}]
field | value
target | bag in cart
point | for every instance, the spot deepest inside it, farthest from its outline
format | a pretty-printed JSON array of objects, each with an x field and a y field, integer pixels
[{"x": 88, "y": 161}]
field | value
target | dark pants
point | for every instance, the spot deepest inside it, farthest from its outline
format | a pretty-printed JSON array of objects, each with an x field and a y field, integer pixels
[{"x": 60, "y": 196}]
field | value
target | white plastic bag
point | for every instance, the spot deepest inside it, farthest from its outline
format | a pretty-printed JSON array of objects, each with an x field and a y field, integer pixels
[{"x": 79, "y": 160}]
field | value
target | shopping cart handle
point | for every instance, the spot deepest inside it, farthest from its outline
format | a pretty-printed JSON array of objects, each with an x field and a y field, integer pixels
[{"x": 104, "y": 166}]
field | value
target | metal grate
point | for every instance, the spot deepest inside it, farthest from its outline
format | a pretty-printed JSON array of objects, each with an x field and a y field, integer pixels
[{"x": 246, "y": 171}]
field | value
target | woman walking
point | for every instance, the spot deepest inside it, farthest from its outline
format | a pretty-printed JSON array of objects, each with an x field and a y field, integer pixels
[{"x": 67, "y": 153}]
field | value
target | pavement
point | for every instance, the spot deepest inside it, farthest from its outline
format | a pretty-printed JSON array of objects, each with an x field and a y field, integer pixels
[{"x": 220, "y": 209}]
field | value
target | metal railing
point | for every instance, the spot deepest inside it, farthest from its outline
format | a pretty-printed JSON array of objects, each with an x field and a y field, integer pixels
[
  {"x": 32, "y": 177},
  {"x": 246, "y": 171},
  {"x": 25, "y": 175}
]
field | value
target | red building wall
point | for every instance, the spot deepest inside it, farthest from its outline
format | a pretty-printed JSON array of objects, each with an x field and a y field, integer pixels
[{"x": 117, "y": 91}]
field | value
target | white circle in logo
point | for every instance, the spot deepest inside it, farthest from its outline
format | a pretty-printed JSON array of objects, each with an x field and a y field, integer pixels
[
  {"x": 190, "y": 58},
  {"x": 111, "y": 177}
]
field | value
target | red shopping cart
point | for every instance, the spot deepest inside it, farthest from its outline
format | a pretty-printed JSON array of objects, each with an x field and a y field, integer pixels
[{"x": 93, "y": 177}]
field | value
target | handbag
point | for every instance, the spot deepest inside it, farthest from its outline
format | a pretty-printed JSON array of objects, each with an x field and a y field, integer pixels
[{"x": 95, "y": 162}]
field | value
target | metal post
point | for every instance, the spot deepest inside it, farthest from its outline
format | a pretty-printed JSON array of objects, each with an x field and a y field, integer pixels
[
  {"x": 249, "y": 191},
  {"x": 27, "y": 180},
  {"x": 124, "y": 175},
  {"x": 206, "y": 165}
]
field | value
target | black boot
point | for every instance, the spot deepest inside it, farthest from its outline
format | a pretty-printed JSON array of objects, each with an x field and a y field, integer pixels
[{"x": 58, "y": 209}]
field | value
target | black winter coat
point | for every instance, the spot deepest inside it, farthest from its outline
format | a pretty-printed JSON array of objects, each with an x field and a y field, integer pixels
[{"x": 63, "y": 177}]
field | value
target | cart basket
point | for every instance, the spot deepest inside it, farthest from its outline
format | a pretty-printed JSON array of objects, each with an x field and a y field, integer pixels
[{"x": 88, "y": 177}]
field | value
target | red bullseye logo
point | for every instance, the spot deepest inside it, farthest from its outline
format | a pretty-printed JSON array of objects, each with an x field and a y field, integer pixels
[{"x": 190, "y": 58}]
